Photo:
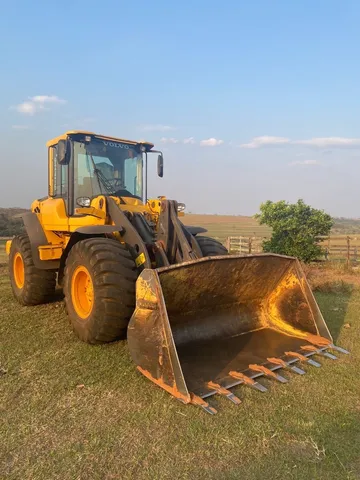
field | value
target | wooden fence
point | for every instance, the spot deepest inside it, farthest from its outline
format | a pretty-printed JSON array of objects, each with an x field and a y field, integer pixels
[
  {"x": 244, "y": 244},
  {"x": 336, "y": 247},
  {"x": 341, "y": 247}
]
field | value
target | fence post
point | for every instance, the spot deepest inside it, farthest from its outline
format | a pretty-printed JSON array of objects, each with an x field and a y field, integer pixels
[
  {"x": 227, "y": 244},
  {"x": 250, "y": 244},
  {"x": 348, "y": 251}
]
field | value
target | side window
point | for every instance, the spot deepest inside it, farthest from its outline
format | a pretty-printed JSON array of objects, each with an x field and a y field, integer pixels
[
  {"x": 54, "y": 173},
  {"x": 59, "y": 175}
]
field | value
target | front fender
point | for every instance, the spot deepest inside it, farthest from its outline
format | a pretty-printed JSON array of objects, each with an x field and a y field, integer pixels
[{"x": 195, "y": 230}]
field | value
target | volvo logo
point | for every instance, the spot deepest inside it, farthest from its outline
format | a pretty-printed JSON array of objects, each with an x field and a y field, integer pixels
[{"x": 116, "y": 145}]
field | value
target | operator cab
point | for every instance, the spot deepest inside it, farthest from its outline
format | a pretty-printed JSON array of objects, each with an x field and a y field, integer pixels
[{"x": 83, "y": 165}]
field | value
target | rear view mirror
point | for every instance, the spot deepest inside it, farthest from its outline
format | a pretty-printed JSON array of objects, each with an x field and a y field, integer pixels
[
  {"x": 160, "y": 166},
  {"x": 63, "y": 152}
]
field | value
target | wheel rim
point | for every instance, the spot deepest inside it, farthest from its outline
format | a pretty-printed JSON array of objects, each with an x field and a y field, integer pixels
[
  {"x": 82, "y": 292},
  {"x": 19, "y": 270}
]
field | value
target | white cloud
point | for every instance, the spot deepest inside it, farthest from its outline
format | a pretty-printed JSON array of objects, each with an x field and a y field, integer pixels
[
  {"x": 28, "y": 108},
  {"x": 42, "y": 99},
  {"x": 20, "y": 127},
  {"x": 169, "y": 140},
  {"x": 305, "y": 162},
  {"x": 321, "y": 142},
  {"x": 265, "y": 141},
  {"x": 189, "y": 140},
  {"x": 327, "y": 142},
  {"x": 156, "y": 128},
  {"x": 211, "y": 142},
  {"x": 37, "y": 103}
]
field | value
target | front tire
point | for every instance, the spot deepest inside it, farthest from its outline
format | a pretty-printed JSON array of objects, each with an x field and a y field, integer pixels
[
  {"x": 99, "y": 289},
  {"x": 210, "y": 247},
  {"x": 30, "y": 285}
]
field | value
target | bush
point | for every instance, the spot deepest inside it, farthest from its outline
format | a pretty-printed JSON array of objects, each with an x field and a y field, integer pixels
[{"x": 295, "y": 229}]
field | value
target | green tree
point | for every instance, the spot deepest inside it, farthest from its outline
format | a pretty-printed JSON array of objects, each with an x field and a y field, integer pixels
[
  {"x": 295, "y": 228},
  {"x": 10, "y": 226}
]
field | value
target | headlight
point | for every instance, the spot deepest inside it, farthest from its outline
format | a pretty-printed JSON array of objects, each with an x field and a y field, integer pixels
[
  {"x": 181, "y": 207},
  {"x": 83, "y": 201}
]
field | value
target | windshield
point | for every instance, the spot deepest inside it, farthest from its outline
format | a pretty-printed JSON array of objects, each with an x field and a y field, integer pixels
[{"x": 107, "y": 168}]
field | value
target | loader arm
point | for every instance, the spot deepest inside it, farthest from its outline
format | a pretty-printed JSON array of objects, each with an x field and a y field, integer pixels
[{"x": 179, "y": 245}]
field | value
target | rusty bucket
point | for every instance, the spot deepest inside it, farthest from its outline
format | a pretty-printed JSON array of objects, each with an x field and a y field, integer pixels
[{"x": 202, "y": 327}]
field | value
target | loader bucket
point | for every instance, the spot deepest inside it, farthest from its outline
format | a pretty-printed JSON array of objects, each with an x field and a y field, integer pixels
[{"x": 202, "y": 327}]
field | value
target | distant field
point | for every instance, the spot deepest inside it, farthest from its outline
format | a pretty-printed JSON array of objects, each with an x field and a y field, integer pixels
[
  {"x": 346, "y": 226},
  {"x": 223, "y": 226}
]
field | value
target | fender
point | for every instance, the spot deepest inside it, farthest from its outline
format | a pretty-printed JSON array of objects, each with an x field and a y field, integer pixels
[
  {"x": 37, "y": 238},
  {"x": 195, "y": 230}
]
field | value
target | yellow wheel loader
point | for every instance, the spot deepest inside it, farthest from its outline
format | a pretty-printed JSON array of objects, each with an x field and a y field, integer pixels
[{"x": 198, "y": 321}]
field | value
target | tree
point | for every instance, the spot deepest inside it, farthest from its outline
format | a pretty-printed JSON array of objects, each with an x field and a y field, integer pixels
[
  {"x": 10, "y": 226},
  {"x": 295, "y": 228}
]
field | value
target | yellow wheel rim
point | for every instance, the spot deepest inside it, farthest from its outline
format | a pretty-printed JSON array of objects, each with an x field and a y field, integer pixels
[
  {"x": 82, "y": 292},
  {"x": 19, "y": 270}
]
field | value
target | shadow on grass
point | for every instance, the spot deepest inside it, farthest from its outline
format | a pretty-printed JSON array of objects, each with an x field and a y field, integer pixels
[{"x": 333, "y": 301}]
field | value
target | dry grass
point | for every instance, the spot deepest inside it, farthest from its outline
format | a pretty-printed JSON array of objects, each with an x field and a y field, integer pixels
[
  {"x": 332, "y": 277},
  {"x": 223, "y": 226},
  {"x": 73, "y": 411}
]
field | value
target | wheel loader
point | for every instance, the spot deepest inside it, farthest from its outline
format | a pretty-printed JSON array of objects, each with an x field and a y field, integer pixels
[{"x": 198, "y": 320}]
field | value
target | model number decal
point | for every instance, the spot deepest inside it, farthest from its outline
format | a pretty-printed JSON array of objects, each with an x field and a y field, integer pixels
[{"x": 116, "y": 145}]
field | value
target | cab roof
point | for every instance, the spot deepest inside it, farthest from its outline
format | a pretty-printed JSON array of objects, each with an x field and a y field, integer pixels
[{"x": 55, "y": 140}]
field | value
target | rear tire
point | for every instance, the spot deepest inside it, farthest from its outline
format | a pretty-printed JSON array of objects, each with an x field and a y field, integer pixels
[
  {"x": 30, "y": 285},
  {"x": 99, "y": 289},
  {"x": 210, "y": 247}
]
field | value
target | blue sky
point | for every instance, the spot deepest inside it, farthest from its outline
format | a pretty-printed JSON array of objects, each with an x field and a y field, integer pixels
[{"x": 249, "y": 100}]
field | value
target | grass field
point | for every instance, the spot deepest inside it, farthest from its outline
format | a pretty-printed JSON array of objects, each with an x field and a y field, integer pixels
[
  {"x": 223, "y": 226},
  {"x": 73, "y": 411}
]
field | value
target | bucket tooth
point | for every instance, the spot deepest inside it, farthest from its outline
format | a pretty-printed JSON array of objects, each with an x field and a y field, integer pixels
[
  {"x": 283, "y": 364},
  {"x": 328, "y": 355},
  {"x": 248, "y": 381},
  {"x": 297, "y": 370},
  {"x": 302, "y": 358},
  {"x": 311, "y": 348},
  {"x": 223, "y": 391},
  {"x": 195, "y": 400},
  {"x": 268, "y": 372},
  {"x": 339, "y": 349}
]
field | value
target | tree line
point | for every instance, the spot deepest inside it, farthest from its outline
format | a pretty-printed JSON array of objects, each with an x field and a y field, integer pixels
[{"x": 9, "y": 224}]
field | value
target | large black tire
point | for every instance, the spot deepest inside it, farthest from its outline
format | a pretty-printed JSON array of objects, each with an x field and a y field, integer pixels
[
  {"x": 105, "y": 271},
  {"x": 210, "y": 247},
  {"x": 30, "y": 285}
]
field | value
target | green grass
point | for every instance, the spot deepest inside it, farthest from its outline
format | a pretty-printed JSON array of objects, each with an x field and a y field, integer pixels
[{"x": 73, "y": 411}]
